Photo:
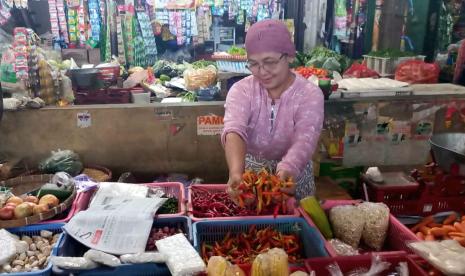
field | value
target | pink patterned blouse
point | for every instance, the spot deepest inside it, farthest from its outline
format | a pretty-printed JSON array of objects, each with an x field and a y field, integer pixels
[{"x": 286, "y": 129}]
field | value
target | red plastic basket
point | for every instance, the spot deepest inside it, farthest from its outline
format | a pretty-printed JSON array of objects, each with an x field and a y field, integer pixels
[
  {"x": 350, "y": 263},
  {"x": 412, "y": 200},
  {"x": 425, "y": 266},
  {"x": 172, "y": 189},
  {"x": 109, "y": 74},
  {"x": 397, "y": 237},
  {"x": 221, "y": 188}
]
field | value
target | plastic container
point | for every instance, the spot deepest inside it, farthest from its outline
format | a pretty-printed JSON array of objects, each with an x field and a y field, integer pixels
[
  {"x": 172, "y": 189},
  {"x": 109, "y": 74},
  {"x": 71, "y": 248},
  {"x": 350, "y": 263},
  {"x": 396, "y": 185},
  {"x": 232, "y": 66},
  {"x": 222, "y": 188},
  {"x": 140, "y": 97},
  {"x": 387, "y": 66},
  {"x": 412, "y": 199},
  {"x": 396, "y": 240},
  {"x": 34, "y": 230},
  {"x": 310, "y": 238}
]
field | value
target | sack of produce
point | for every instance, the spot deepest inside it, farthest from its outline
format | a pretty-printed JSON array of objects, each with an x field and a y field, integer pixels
[
  {"x": 357, "y": 70},
  {"x": 200, "y": 78},
  {"x": 417, "y": 71},
  {"x": 348, "y": 222},
  {"x": 376, "y": 224},
  {"x": 62, "y": 161}
]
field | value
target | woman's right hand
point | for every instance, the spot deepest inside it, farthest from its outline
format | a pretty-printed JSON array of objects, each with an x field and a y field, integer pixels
[{"x": 233, "y": 183}]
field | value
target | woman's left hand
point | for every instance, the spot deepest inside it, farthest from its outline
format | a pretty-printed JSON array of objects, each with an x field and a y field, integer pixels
[{"x": 284, "y": 175}]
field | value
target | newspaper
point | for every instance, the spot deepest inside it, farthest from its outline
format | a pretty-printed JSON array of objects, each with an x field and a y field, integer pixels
[{"x": 115, "y": 225}]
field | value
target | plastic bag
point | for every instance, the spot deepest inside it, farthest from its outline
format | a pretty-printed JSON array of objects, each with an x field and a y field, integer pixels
[
  {"x": 73, "y": 262},
  {"x": 200, "y": 78},
  {"x": 348, "y": 222},
  {"x": 343, "y": 249},
  {"x": 417, "y": 71},
  {"x": 178, "y": 248},
  {"x": 62, "y": 161},
  {"x": 141, "y": 258},
  {"x": 376, "y": 224},
  {"x": 357, "y": 70},
  {"x": 8, "y": 246},
  {"x": 102, "y": 258},
  {"x": 377, "y": 266},
  {"x": 448, "y": 256}
]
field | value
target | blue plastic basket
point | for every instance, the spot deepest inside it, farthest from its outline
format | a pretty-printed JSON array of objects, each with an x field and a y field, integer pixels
[
  {"x": 211, "y": 231},
  {"x": 72, "y": 248},
  {"x": 34, "y": 230}
]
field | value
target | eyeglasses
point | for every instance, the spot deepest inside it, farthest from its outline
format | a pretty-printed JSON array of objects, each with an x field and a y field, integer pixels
[{"x": 268, "y": 65}]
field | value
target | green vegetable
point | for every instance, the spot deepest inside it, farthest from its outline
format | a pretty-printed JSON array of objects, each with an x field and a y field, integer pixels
[
  {"x": 62, "y": 161},
  {"x": 236, "y": 51},
  {"x": 319, "y": 57},
  {"x": 390, "y": 53},
  {"x": 189, "y": 97},
  {"x": 202, "y": 64},
  {"x": 169, "y": 207},
  {"x": 164, "y": 78}
]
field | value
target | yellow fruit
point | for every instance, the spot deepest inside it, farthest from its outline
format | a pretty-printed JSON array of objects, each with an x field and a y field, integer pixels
[{"x": 217, "y": 266}]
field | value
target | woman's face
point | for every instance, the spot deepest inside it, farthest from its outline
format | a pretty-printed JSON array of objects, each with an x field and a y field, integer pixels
[{"x": 271, "y": 69}]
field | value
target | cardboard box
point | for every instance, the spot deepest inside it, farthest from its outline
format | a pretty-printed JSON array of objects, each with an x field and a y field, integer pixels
[{"x": 82, "y": 56}]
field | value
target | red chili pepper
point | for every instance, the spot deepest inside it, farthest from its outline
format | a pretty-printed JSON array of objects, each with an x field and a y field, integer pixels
[{"x": 276, "y": 211}]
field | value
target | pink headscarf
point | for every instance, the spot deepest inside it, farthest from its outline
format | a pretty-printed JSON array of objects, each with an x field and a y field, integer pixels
[{"x": 269, "y": 35}]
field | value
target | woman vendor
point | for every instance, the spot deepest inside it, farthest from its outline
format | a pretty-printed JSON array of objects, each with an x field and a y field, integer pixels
[{"x": 274, "y": 117}]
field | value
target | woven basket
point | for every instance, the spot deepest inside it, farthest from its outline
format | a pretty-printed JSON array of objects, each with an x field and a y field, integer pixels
[
  {"x": 26, "y": 184},
  {"x": 107, "y": 172}
]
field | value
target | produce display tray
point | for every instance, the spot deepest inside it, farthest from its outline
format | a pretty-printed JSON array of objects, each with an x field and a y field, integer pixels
[
  {"x": 396, "y": 240},
  {"x": 172, "y": 189},
  {"x": 212, "y": 231},
  {"x": 350, "y": 263},
  {"x": 69, "y": 247},
  {"x": 34, "y": 230},
  {"x": 293, "y": 213}
]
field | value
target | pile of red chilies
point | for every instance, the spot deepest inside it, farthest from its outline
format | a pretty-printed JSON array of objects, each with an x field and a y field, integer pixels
[{"x": 207, "y": 204}]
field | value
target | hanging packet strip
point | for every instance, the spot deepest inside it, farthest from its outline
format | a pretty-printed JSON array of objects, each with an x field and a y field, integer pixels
[
  {"x": 95, "y": 19},
  {"x": 148, "y": 36},
  {"x": 54, "y": 27},
  {"x": 120, "y": 41},
  {"x": 73, "y": 25},
  {"x": 82, "y": 26},
  {"x": 60, "y": 4}
]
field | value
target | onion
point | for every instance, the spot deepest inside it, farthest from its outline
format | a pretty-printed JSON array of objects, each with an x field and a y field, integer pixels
[
  {"x": 32, "y": 199},
  {"x": 40, "y": 209},
  {"x": 15, "y": 199},
  {"x": 6, "y": 213},
  {"x": 50, "y": 200},
  {"x": 23, "y": 210}
]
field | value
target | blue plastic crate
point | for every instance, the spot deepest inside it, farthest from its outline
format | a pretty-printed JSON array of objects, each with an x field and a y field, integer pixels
[
  {"x": 72, "y": 248},
  {"x": 34, "y": 230},
  {"x": 211, "y": 231}
]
